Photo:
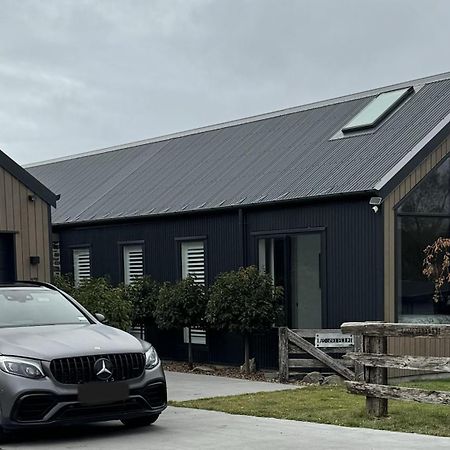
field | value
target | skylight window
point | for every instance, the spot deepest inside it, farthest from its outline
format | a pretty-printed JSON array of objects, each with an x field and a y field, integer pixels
[{"x": 373, "y": 113}]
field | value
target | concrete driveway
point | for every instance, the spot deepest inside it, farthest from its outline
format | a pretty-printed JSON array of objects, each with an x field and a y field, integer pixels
[
  {"x": 188, "y": 386},
  {"x": 181, "y": 428}
]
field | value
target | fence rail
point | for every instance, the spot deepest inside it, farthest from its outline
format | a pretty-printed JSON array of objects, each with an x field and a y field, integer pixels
[{"x": 375, "y": 360}]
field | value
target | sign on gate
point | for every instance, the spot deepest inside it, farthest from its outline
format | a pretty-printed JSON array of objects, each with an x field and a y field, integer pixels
[{"x": 324, "y": 340}]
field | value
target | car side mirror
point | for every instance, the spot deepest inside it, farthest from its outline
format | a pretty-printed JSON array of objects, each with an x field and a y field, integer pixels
[{"x": 100, "y": 317}]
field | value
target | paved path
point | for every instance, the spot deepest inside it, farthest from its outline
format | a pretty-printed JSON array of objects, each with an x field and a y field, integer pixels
[
  {"x": 188, "y": 386},
  {"x": 182, "y": 428}
]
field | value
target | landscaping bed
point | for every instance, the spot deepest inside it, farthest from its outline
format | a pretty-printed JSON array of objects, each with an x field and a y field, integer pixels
[
  {"x": 218, "y": 371},
  {"x": 333, "y": 405}
]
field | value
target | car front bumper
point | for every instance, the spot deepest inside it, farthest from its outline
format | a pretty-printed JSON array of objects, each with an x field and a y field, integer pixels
[{"x": 27, "y": 403}]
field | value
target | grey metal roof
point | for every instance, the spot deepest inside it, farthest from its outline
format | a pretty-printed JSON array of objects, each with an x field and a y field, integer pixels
[{"x": 291, "y": 154}]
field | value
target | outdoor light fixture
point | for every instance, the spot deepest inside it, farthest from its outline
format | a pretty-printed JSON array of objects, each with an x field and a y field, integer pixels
[
  {"x": 35, "y": 260},
  {"x": 375, "y": 202}
]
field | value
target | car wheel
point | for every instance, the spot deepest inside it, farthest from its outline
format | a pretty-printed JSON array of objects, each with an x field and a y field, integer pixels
[{"x": 140, "y": 421}]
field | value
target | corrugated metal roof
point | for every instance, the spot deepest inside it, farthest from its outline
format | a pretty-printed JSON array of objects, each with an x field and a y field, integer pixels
[{"x": 291, "y": 154}]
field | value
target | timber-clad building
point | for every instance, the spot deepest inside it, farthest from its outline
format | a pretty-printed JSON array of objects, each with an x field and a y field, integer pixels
[
  {"x": 25, "y": 224},
  {"x": 336, "y": 200}
]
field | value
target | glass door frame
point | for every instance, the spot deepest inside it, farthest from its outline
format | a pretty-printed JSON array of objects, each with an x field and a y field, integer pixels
[{"x": 285, "y": 235}]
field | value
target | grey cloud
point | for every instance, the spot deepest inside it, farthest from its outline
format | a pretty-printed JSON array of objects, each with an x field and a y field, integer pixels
[{"x": 82, "y": 74}]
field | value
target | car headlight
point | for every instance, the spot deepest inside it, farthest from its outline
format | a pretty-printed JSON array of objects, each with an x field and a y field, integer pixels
[
  {"x": 21, "y": 367},
  {"x": 151, "y": 358}
]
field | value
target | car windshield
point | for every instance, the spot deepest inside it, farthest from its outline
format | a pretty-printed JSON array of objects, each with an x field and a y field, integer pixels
[{"x": 21, "y": 307}]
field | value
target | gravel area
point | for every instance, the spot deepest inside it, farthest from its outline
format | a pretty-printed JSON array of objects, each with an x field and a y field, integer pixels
[{"x": 218, "y": 371}]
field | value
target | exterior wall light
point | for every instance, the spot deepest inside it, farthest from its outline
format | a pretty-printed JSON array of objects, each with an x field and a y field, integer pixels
[{"x": 375, "y": 202}]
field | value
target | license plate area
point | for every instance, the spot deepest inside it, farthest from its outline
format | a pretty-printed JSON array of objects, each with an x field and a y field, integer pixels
[{"x": 99, "y": 393}]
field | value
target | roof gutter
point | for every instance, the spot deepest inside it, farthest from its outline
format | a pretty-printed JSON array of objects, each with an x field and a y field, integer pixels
[{"x": 222, "y": 209}]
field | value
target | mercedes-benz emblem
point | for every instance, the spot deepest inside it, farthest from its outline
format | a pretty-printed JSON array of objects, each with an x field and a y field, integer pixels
[{"x": 103, "y": 369}]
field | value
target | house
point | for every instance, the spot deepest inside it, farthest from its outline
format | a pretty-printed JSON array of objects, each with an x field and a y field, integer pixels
[
  {"x": 335, "y": 199},
  {"x": 25, "y": 224}
]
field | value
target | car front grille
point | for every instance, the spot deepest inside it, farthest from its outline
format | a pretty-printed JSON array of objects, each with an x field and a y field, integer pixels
[{"x": 80, "y": 369}]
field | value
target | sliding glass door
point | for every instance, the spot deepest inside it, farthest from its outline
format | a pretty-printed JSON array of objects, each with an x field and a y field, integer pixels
[
  {"x": 306, "y": 291},
  {"x": 294, "y": 262}
]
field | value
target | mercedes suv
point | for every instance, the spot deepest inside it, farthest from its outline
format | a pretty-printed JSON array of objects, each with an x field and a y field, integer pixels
[{"x": 59, "y": 364}]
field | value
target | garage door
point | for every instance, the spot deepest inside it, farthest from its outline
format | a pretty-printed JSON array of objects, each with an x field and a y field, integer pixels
[{"x": 7, "y": 260}]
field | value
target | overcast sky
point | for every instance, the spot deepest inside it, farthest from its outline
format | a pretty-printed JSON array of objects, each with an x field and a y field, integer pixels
[{"x": 78, "y": 75}]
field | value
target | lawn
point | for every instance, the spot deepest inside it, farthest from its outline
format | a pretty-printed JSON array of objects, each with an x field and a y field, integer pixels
[{"x": 333, "y": 405}]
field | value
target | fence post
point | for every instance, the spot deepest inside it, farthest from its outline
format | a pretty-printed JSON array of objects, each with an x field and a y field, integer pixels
[
  {"x": 358, "y": 348},
  {"x": 377, "y": 407},
  {"x": 283, "y": 354}
]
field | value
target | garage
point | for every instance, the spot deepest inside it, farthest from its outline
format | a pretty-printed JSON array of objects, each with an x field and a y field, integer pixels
[{"x": 7, "y": 259}]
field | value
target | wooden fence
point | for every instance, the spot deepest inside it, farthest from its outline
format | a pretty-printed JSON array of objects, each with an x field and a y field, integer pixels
[
  {"x": 297, "y": 355},
  {"x": 376, "y": 362}
]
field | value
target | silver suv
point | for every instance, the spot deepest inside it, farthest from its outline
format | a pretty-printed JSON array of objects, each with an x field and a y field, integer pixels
[{"x": 60, "y": 365}]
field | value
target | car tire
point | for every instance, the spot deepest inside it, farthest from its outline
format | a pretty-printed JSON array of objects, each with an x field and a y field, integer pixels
[{"x": 140, "y": 421}]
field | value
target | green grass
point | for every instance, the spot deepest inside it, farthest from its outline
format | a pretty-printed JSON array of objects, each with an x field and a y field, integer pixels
[{"x": 333, "y": 405}]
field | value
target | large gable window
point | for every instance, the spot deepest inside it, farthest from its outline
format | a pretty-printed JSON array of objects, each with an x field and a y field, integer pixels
[{"x": 423, "y": 216}]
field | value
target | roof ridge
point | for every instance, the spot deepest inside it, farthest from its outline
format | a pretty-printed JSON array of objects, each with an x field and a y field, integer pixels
[{"x": 248, "y": 119}]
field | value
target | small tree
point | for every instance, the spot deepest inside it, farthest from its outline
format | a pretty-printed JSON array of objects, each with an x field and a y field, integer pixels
[
  {"x": 181, "y": 305},
  {"x": 436, "y": 266},
  {"x": 143, "y": 295},
  {"x": 244, "y": 301}
]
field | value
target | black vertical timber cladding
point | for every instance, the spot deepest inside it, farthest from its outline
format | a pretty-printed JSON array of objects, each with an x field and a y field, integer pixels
[
  {"x": 354, "y": 253},
  {"x": 354, "y": 261}
]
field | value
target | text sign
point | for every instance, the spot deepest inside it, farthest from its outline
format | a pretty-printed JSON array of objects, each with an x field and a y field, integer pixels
[{"x": 324, "y": 340}]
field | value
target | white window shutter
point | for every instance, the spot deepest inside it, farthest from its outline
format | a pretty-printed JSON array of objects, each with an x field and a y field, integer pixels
[
  {"x": 193, "y": 265},
  {"x": 81, "y": 265},
  {"x": 133, "y": 263},
  {"x": 193, "y": 261}
]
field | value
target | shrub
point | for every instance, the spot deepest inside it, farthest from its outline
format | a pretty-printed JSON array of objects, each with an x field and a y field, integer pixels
[
  {"x": 97, "y": 295},
  {"x": 181, "y": 305},
  {"x": 244, "y": 301}
]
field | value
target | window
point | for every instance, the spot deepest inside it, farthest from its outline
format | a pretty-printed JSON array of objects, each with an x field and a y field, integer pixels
[
  {"x": 377, "y": 110},
  {"x": 81, "y": 265},
  {"x": 423, "y": 216},
  {"x": 193, "y": 261},
  {"x": 133, "y": 263},
  {"x": 193, "y": 265},
  {"x": 416, "y": 291},
  {"x": 432, "y": 194}
]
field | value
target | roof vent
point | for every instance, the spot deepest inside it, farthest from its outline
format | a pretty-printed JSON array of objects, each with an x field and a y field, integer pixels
[{"x": 373, "y": 113}]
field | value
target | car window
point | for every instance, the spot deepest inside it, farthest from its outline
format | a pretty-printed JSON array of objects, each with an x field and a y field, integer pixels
[{"x": 32, "y": 307}]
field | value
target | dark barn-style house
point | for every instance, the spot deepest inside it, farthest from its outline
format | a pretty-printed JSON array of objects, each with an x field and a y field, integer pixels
[{"x": 336, "y": 199}]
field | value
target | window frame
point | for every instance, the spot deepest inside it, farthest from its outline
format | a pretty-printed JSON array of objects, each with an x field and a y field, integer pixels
[
  {"x": 73, "y": 248},
  {"x": 179, "y": 257},
  {"x": 122, "y": 245},
  {"x": 398, "y": 235}
]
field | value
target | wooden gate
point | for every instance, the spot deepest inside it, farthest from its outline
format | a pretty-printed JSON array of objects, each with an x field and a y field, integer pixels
[{"x": 297, "y": 355}]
